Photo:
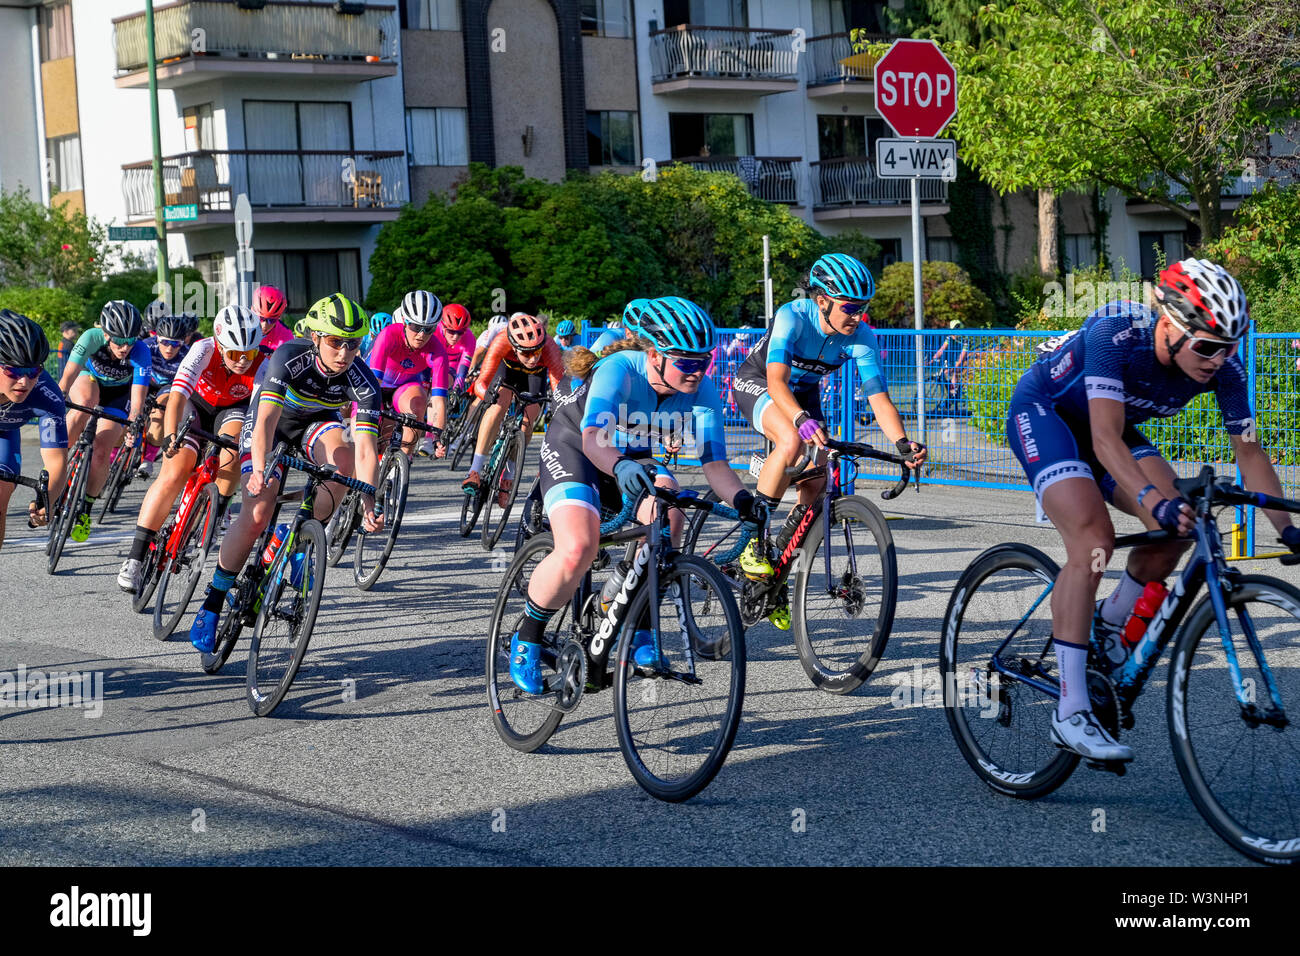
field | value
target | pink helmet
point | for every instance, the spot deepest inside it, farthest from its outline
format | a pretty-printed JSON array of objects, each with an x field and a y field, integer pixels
[{"x": 269, "y": 302}]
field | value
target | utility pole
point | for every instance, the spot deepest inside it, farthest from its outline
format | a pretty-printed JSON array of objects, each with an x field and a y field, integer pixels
[{"x": 159, "y": 223}]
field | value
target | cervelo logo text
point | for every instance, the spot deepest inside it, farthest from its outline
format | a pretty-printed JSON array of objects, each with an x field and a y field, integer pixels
[
  {"x": 24, "y": 688},
  {"x": 1026, "y": 436},
  {"x": 601, "y": 640},
  {"x": 642, "y": 427},
  {"x": 75, "y": 909}
]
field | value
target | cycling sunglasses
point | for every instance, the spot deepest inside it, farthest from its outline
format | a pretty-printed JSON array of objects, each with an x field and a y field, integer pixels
[
  {"x": 343, "y": 345},
  {"x": 171, "y": 343},
  {"x": 420, "y": 329},
  {"x": 529, "y": 352},
  {"x": 240, "y": 355},
  {"x": 1205, "y": 348},
  {"x": 21, "y": 371},
  {"x": 689, "y": 363},
  {"x": 118, "y": 340},
  {"x": 850, "y": 308}
]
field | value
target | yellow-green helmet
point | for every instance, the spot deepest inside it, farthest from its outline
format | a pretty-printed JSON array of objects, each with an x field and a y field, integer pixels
[
  {"x": 300, "y": 329},
  {"x": 337, "y": 315}
]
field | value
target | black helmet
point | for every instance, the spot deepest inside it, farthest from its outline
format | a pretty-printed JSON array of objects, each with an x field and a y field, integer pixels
[
  {"x": 153, "y": 312},
  {"x": 173, "y": 327},
  {"x": 120, "y": 319},
  {"x": 22, "y": 341}
]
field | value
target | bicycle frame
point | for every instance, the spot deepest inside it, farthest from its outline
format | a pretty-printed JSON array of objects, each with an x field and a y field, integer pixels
[{"x": 204, "y": 473}]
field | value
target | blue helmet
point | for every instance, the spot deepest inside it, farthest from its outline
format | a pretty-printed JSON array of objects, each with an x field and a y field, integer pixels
[
  {"x": 632, "y": 314},
  {"x": 842, "y": 277},
  {"x": 565, "y": 328},
  {"x": 378, "y": 322},
  {"x": 675, "y": 324}
]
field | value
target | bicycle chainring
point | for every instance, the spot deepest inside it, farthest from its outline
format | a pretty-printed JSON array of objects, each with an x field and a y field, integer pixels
[
  {"x": 1105, "y": 701},
  {"x": 570, "y": 676},
  {"x": 753, "y": 602}
]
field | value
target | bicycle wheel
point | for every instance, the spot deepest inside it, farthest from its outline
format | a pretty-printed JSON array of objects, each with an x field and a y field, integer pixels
[
  {"x": 469, "y": 512},
  {"x": 710, "y": 536},
  {"x": 1003, "y": 726},
  {"x": 114, "y": 484},
  {"x": 338, "y": 533},
  {"x": 675, "y": 729},
  {"x": 181, "y": 574},
  {"x": 841, "y": 625},
  {"x": 936, "y": 396},
  {"x": 494, "y": 525},
  {"x": 283, "y": 627},
  {"x": 152, "y": 567},
  {"x": 1241, "y": 766},
  {"x": 523, "y": 721},
  {"x": 72, "y": 505},
  {"x": 467, "y": 437},
  {"x": 371, "y": 555}
]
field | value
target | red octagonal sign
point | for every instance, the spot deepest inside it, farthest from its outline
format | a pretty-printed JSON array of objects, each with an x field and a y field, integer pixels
[{"x": 916, "y": 88}]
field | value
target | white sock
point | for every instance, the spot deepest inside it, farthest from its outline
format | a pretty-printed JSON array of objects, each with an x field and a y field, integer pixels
[
  {"x": 1073, "y": 661},
  {"x": 1116, "y": 608},
  {"x": 477, "y": 465}
]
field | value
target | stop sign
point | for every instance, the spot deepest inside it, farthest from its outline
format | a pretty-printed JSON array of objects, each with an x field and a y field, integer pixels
[{"x": 916, "y": 88}]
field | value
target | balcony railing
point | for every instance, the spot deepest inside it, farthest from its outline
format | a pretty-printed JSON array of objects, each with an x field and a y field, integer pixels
[
  {"x": 852, "y": 181},
  {"x": 279, "y": 30},
  {"x": 1282, "y": 173},
  {"x": 272, "y": 178},
  {"x": 830, "y": 59},
  {"x": 774, "y": 178},
  {"x": 722, "y": 52}
]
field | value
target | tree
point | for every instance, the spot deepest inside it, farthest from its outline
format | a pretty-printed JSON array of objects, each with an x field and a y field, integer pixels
[
  {"x": 1163, "y": 100},
  {"x": 39, "y": 244}
]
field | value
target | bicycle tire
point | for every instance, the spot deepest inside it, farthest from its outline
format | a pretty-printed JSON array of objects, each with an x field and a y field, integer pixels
[
  {"x": 192, "y": 556},
  {"x": 114, "y": 484},
  {"x": 1047, "y": 767},
  {"x": 469, "y": 512},
  {"x": 505, "y": 701},
  {"x": 858, "y": 657},
  {"x": 468, "y": 437},
  {"x": 1230, "y": 803},
  {"x": 271, "y": 669},
  {"x": 338, "y": 533},
  {"x": 72, "y": 505},
  {"x": 516, "y": 453},
  {"x": 228, "y": 631},
  {"x": 936, "y": 396},
  {"x": 152, "y": 568},
  {"x": 394, "y": 483},
  {"x": 726, "y": 666}
]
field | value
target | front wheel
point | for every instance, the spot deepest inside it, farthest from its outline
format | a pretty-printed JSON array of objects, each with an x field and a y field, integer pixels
[
  {"x": 497, "y": 517},
  {"x": 152, "y": 570},
  {"x": 290, "y": 600},
  {"x": 842, "y": 623},
  {"x": 371, "y": 555},
  {"x": 73, "y": 501},
  {"x": 1240, "y": 762},
  {"x": 339, "y": 531},
  {"x": 466, "y": 440},
  {"x": 118, "y": 477},
  {"x": 676, "y": 723},
  {"x": 181, "y": 574}
]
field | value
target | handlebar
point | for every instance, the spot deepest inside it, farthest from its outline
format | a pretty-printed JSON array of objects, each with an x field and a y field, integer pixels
[
  {"x": 318, "y": 472},
  {"x": 409, "y": 421},
  {"x": 848, "y": 449},
  {"x": 188, "y": 426},
  {"x": 96, "y": 411},
  {"x": 40, "y": 484}
]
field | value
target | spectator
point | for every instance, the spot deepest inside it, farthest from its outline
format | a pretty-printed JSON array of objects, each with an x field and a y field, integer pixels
[{"x": 70, "y": 332}]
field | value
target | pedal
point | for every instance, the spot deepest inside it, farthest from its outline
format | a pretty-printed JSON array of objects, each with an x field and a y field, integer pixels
[{"x": 1117, "y": 767}]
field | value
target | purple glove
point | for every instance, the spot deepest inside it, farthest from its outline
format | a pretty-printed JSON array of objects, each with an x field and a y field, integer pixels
[{"x": 808, "y": 426}]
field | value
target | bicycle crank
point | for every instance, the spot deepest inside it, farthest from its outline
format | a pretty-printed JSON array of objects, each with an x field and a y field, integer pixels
[{"x": 570, "y": 676}]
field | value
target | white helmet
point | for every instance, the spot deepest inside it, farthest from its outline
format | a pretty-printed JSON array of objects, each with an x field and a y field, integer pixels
[
  {"x": 237, "y": 329},
  {"x": 419, "y": 309},
  {"x": 498, "y": 322}
]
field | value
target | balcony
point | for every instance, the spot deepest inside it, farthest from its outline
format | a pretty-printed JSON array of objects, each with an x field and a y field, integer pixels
[
  {"x": 833, "y": 69},
  {"x": 774, "y": 178},
  {"x": 198, "y": 40},
  {"x": 1234, "y": 191},
  {"x": 689, "y": 59},
  {"x": 848, "y": 188},
  {"x": 282, "y": 185}
]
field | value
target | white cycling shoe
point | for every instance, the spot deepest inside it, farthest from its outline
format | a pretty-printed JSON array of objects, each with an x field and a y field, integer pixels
[{"x": 1082, "y": 734}]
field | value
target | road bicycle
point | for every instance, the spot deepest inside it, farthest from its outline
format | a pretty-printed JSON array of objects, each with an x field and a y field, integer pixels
[
  {"x": 178, "y": 554},
  {"x": 370, "y": 556},
  {"x": 675, "y": 721},
  {"x": 278, "y": 592},
  {"x": 1229, "y": 687},
  {"x": 505, "y": 463},
  {"x": 461, "y": 432},
  {"x": 841, "y": 603},
  {"x": 126, "y": 460},
  {"x": 71, "y": 502}
]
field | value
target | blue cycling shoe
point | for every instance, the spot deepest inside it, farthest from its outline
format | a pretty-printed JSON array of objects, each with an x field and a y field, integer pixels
[
  {"x": 643, "y": 651},
  {"x": 203, "y": 632},
  {"x": 526, "y": 665}
]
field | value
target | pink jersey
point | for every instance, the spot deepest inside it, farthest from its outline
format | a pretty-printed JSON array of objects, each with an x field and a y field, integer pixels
[
  {"x": 459, "y": 355},
  {"x": 279, "y": 334},
  {"x": 396, "y": 363}
]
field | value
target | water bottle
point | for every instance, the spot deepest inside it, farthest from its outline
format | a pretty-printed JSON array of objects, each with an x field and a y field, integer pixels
[
  {"x": 1153, "y": 595},
  {"x": 787, "y": 530},
  {"x": 276, "y": 539},
  {"x": 613, "y": 584}
]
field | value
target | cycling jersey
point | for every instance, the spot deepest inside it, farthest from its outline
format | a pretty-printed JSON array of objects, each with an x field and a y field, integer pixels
[
  {"x": 501, "y": 354},
  {"x": 490, "y": 334},
  {"x": 607, "y": 338},
  {"x": 305, "y": 393},
  {"x": 396, "y": 364},
  {"x": 279, "y": 334},
  {"x": 459, "y": 355},
  {"x": 1112, "y": 356},
  {"x": 796, "y": 340},
  {"x": 164, "y": 369},
  {"x": 45, "y": 403},
  {"x": 92, "y": 352},
  {"x": 205, "y": 380}
]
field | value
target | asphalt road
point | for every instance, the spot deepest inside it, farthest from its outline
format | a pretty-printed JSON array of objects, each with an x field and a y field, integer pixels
[{"x": 176, "y": 770}]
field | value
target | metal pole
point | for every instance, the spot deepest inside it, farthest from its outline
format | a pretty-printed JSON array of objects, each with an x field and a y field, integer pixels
[
  {"x": 916, "y": 293},
  {"x": 767, "y": 280},
  {"x": 159, "y": 224}
]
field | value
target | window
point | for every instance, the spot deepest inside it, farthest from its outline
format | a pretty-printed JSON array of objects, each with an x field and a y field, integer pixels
[
  {"x": 941, "y": 249},
  {"x": 310, "y": 275},
  {"x": 711, "y": 134},
  {"x": 64, "y": 154},
  {"x": 320, "y": 130},
  {"x": 606, "y": 18},
  {"x": 705, "y": 13},
  {"x": 198, "y": 127},
  {"x": 612, "y": 139},
  {"x": 840, "y": 16},
  {"x": 437, "y": 137},
  {"x": 56, "y": 30},
  {"x": 1079, "y": 251},
  {"x": 212, "y": 269},
  {"x": 431, "y": 14},
  {"x": 1170, "y": 243}
]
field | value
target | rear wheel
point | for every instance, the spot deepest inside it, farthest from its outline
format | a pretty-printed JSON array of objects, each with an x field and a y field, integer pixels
[
  {"x": 371, "y": 555},
  {"x": 73, "y": 501},
  {"x": 497, "y": 517},
  {"x": 119, "y": 477},
  {"x": 339, "y": 531},
  {"x": 152, "y": 569},
  {"x": 467, "y": 437},
  {"x": 181, "y": 574}
]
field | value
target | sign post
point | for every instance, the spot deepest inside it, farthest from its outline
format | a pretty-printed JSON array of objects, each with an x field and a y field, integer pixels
[
  {"x": 244, "y": 249},
  {"x": 916, "y": 94}
]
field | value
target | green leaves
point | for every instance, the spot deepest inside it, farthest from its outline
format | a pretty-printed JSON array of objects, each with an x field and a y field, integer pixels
[{"x": 40, "y": 245}]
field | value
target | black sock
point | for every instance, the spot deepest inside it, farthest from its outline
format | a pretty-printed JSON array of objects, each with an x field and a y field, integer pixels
[
  {"x": 140, "y": 544},
  {"x": 772, "y": 504},
  {"x": 534, "y": 623},
  {"x": 218, "y": 589}
]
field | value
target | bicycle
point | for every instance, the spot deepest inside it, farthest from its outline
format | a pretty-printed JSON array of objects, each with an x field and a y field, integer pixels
[
  {"x": 945, "y": 395},
  {"x": 995, "y": 660},
  {"x": 269, "y": 595},
  {"x": 72, "y": 499},
  {"x": 859, "y": 585},
  {"x": 461, "y": 432},
  {"x": 508, "y": 447},
  {"x": 130, "y": 452},
  {"x": 177, "y": 556},
  {"x": 699, "y": 636},
  {"x": 371, "y": 554},
  {"x": 40, "y": 484}
]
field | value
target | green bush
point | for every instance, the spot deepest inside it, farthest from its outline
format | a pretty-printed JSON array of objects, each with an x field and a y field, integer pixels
[
  {"x": 947, "y": 293},
  {"x": 40, "y": 244},
  {"x": 48, "y": 307},
  {"x": 138, "y": 286}
]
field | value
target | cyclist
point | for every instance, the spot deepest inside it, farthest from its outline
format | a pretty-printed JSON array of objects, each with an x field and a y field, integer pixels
[
  {"x": 457, "y": 339},
  {"x": 167, "y": 346},
  {"x": 778, "y": 385},
  {"x": 613, "y": 332},
  {"x": 494, "y": 328},
  {"x": 154, "y": 311},
  {"x": 214, "y": 384},
  {"x": 1072, "y": 424},
  {"x": 304, "y": 389},
  {"x": 564, "y": 334},
  {"x": 269, "y": 304},
  {"x": 110, "y": 367},
  {"x": 518, "y": 361},
  {"x": 649, "y": 385},
  {"x": 407, "y": 356},
  {"x": 378, "y": 322},
  {"x": 27, "y": 391},
  {"x": 950, "y": 368}
]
